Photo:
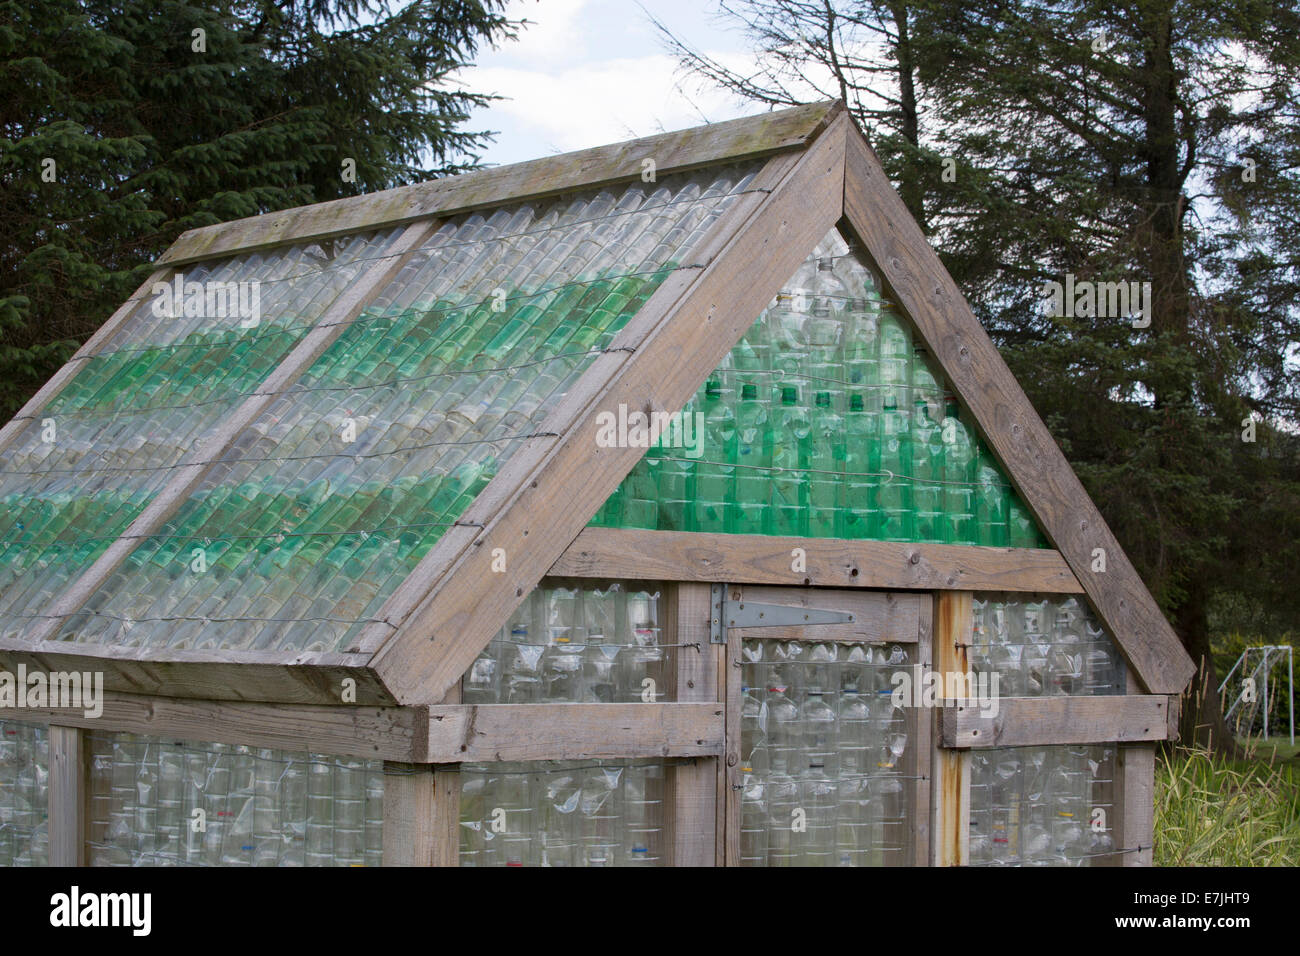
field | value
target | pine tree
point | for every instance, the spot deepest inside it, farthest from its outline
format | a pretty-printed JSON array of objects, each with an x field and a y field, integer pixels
[{"x": 122, "y": 124}]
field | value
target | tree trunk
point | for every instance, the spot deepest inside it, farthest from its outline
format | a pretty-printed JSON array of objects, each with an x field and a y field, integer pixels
[{"x": 1201, "y": 722}]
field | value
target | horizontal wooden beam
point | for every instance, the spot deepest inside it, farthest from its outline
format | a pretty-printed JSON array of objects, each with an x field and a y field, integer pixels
[
  {"x": 285, "y": 677},
  {"x": 1046, "y": 721},
  {"x": 389, "y": 733},
  {"x": 519, "y": 732},
  {"x": 826, "y": 562},
  {"x": 746, "y": 138}
]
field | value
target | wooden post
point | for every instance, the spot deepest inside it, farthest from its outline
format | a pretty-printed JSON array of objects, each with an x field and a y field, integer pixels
[
  {"x": 917, "y": 761},
  {"x": 1135, "y": 771},
  {"x": 950, "y": 780},
  {"x": 421, "y": 809},
  {"x": 69, "y": 795},
  {"x": 693, "y": 783}
]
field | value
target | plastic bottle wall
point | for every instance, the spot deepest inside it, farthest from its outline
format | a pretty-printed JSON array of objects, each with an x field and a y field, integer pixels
[
  {"x": 24, "y": 794},
  {"x": 550, "y": 813},
  {"x": 158, "y": 803},
  {"x": 1042, "y": 806},
  {"x": 1044, "y": 646},
  {"x": 822, "y": 756},
  {"x": 829, "y": 419},
  {"x": 598, "y": 644}
]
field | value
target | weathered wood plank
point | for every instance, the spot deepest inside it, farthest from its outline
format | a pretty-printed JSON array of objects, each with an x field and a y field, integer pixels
[
  {"x": 290, "y": 677},
  {"x": 693, "y": 784},
  {"x": 950, "y": 787},
  {"x": 746, "y": 138},
  {"x": 191, "y": 470},
  {"x": 32, "y": 409},
  {"x": 917, "y": 758},
  {"x": 735, "y": 769},
  {"x": 421, "y": 810},
  {"x": 918, "y": 281},
  {"x": 520, "y": 732},
  {"x": 764, "y": 559},
  {"x": 389, "y": 733},
  {"x": 1046, "y": 721},
  {"x": 1135, "y": 781},
  {"x": 877, "y": 617},
  {"x": 679, "y": 347},
  {"x": 68, "y": 795}
]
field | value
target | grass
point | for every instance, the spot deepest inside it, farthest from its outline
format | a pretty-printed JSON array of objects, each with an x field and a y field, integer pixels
[{"x": 1212, "y": 812}]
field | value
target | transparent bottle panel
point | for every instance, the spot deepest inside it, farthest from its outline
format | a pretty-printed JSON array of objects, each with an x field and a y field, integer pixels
[
  {"x": 823, "y": 769},
  {"x": 599, "y": 644},
  {"x": 1042, "y": 806},
  {"x": 158, "y": 803},
  {"x": 81, "y": 471},
  {"x": 552, "y": 813},
  {"x": 334, "y": 495},
  {"x": 1044, "y": 646},
  {"x": 24, "y": 794},
  {"x": 829, "y": 419}
]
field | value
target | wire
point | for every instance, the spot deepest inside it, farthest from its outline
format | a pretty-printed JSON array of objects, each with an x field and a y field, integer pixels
[{"x": 333, "y": 454}]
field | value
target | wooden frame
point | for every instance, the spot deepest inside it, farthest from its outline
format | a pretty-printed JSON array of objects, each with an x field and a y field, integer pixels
[{"x": 1046, "y": 721}]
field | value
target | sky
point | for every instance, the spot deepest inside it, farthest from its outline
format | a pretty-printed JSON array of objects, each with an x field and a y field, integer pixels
[{"x": 589, "y": 72}]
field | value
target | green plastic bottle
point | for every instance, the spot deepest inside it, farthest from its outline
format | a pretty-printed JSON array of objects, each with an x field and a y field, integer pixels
[
  {"x": 714, "y": 481},
  {"x": 861, "y": 459},
  {"x": 926, "y": 445},
  {"x": 826, "y": 461},
  {"x": 753, "y": 462},
  {"x": 958, "y": 476},
  {"x": 789, "y": 436},
  {"x": 893, "y": 511}
]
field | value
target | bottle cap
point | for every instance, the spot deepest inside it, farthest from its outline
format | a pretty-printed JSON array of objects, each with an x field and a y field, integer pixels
[
  {"x": 823, "y": 398},
  {"x": 825, "y": 264},
  {"x": 749, "y": 391},
  {"x": 855, "y": 403},
  {"x": 712, "y": 388},
  {"x": 789, "y": 394}
]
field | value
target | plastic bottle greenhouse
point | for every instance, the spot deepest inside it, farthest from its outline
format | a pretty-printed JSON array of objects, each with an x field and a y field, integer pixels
[{"x": 660, "y": 504}]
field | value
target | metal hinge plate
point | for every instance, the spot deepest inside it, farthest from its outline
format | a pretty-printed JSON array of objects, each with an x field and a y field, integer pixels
[{"x": 725, "y": 613}]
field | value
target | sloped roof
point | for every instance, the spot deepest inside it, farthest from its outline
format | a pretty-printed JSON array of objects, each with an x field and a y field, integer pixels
[{"x": 367, "y": 480}]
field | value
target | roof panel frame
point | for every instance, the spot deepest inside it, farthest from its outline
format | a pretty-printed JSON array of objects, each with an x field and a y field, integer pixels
[{"x": 670, "y": 346}]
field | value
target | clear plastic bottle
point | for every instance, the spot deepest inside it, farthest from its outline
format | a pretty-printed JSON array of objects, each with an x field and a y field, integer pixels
[
  {"x": 601, "y": 816},
  {"x": 817, "y": 731},
  {"x": 782, "y": 803},
  {"x": 643, "y": 831},
  {"x": 819, "y": 797},
  {"x": 893, "y": 511},
  {"x": 753, "y": 818}
]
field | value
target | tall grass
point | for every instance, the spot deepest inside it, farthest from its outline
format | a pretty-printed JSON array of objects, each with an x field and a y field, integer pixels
[{"x": 1211, "y": 812}]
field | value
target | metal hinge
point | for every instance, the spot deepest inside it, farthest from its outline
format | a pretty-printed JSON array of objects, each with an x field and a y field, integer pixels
[{"x": 725, "y": 613}]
